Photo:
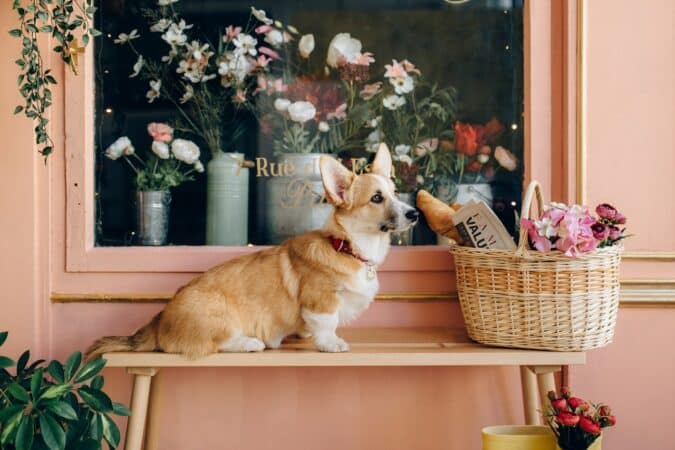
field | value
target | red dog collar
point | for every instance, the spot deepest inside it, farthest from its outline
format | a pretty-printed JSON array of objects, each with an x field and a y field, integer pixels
[{"x": 342, "y": 246}]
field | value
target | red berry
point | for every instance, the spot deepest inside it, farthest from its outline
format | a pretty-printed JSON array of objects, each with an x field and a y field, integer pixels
[
  {"x": 559, "y": 404},
  {"x": 567, "y": 418},
  {"x": 589, "y": 426}
]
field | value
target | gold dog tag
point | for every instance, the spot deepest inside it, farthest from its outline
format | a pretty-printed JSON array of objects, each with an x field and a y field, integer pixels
[{"x": 371, "y": 273}]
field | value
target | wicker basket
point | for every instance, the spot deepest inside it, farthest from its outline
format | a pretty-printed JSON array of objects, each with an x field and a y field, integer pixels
[{"x": 534, "y": 300}]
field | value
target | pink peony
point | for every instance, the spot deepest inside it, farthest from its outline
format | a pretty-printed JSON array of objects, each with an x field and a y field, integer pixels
[
  {"x": 619, "y": 218},
  {"x": 606, "y": 211},
  {"x": 614, "y": 232},
  {"x": 600, "y": 231},
  {"x": 160, "y": 132},
  {"x": 539, "y": 242}
]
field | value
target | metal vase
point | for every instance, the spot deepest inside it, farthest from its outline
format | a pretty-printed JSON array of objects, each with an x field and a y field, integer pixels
[
  {"x": 404, "y": 237},
  {"x": 152, "y": 208},
  {"x": 227, "y": 200}
]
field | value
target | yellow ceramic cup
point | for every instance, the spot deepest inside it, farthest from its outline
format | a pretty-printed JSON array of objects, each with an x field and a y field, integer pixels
[{"x": 523, "y": 437}]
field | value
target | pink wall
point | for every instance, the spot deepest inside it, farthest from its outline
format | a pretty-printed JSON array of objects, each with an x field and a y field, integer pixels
[{"x": 630, "y": 106}]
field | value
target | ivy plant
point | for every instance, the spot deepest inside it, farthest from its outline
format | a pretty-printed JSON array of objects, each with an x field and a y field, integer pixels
[
  {"x": 63, "y": 21},
  {"x": 55, "y": 406}
]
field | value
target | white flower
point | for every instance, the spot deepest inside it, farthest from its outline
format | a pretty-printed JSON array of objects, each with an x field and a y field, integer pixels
[
  {"x": 189, "y": 93},
  {"x": 324, "y": 127},
  {"x": 190, "y": 71},
  {"x": 261, "y": 15},
  {"x": 426, "y": 146},
  {"x": 419, "y": 179},
  {"x": 306, "y": 45},
  {"x": 343, "y": 48},
  {"x": 199, "y": 167},
  {"x": 557, "y": 205},
  {"x": 174, "y": 36},
  {"x": 401, "y": 150},
  {"x": 292, "y": 29},
  {"x": 402, "y": 85},
  {"x": 301, "y": 112},
  {"x": 169, "y": 57},
  {"x": 184, "y": 150},
  {"x": 482, "y": 158},
  {"x": 275, "y": 38},
  {"x": 282, "y": 104},
  {"x": 393, "y": 102},
  {"x": 546, "y": 228},
  {"x": 235, "y": 68},
  {"x": 137, "y": 66},
  {"x": 375, "y": 137},
  {"x": 405, "y": 159},
  {"x": 198, "y": 50},
  {"x": 245, "y": 44},
  {"x": 160, "y": 26},
  {"x": 161, "y": 149},
  {"x": 166, "y": 2},
  {"x": 122, "y": 146},
  {"x": 182, "y": 26},
  {"x": 153, "y": 93},
  {"x": 123, "y": 38}
]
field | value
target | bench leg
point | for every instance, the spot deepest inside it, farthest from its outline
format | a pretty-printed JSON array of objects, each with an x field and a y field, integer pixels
[
  {"x": 528, "y": 381},
  {"x": 152, "y": 421},
  {"x": 140, "y": 395},
  {"x": 546, "y": 382}
]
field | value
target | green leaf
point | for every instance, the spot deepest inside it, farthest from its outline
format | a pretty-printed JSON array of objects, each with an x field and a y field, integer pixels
[
  {"x": 111, "y": 433},
  {"x": 25, "y": 434},
  {"x": 96, "y": 427},
  {"x": 9, "y": 412},
  {"x": 55, "y": 369},
  {"x": 72, "y": 364},
  {"x": 6, "y": 362},
  {"x": 90, "y": 369},
  {"x": 36, "y": 383},
  {"x": 23, "y": 360},
  {"x": 97, "y": 382},
  {"x": 95, "y": 399},
  {"x": 121, "y": 410},
  {"x": 15, "y": 32},
  {"x": 90, "y": 444},
  {"x": 52, "y": 433},
  {"x": 55, "y": 391},
  {"x": 3, "y": 337},
  {"x": 62, "y": 409},
  {"x": 10, "y": 426},
  {"x": 18, "y": 392}
]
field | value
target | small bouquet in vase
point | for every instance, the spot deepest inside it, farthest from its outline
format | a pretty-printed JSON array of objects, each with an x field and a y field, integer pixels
[{"x": 576, "y": 423}]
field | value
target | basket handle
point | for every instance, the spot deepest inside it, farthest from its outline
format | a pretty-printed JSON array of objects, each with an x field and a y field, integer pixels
[{"x": 533, "y": 189}]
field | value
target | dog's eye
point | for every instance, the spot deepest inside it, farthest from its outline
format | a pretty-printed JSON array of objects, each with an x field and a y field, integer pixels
[{"x": 377, "y": 198}]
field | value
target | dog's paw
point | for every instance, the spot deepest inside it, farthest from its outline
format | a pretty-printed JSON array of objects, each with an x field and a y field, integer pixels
[
  {"x": 334, "y": 345},
  {"x": 243, "y": 344}
]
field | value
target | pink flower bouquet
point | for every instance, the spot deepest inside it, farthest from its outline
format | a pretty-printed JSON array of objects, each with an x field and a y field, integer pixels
[{"x": 573, "y": 229}]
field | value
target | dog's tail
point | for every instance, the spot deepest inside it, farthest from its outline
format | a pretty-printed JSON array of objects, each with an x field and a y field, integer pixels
[{"x": 143, "y": 340}]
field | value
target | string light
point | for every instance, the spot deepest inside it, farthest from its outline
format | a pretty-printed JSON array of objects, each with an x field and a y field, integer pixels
[
  {"x": 514, "y": 126},
  {"x": 108, "y": 110}
]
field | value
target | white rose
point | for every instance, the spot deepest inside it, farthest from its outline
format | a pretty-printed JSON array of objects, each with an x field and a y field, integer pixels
[
  {"x": 393, "y": 102},
  {"x": 301, "y": 112},
  {"x": 119, "y": 147},
  {"x": 161, "y": 149},
  {"x": 282, "y": 104},
  {"x": 275, "y": 38},
  {"x": 199, "y": 167},
  {"x": 306, "y": 45},
  {"x": 186, "y": 151},
  {"x": 323, "y": 127},
  {"x": 343, "y": 48}
]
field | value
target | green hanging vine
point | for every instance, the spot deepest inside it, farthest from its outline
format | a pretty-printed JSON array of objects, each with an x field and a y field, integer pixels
[{"x": 62, "y": 20}]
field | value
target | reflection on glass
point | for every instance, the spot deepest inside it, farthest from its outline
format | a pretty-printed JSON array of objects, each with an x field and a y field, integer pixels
[{"x": 229, "y": 107}]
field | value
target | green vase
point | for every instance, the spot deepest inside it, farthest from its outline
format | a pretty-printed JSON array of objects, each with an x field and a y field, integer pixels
[{"x": 227, "y": 200}]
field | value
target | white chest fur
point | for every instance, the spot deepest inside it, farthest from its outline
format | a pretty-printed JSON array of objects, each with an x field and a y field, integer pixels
[{"x": 356, "y": 296}]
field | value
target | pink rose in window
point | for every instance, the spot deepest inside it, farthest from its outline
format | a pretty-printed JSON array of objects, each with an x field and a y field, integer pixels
[{"x": 160, "y": 132}]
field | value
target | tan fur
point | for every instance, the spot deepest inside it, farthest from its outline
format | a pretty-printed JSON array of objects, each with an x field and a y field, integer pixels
[{"x": 263, "y": 295}]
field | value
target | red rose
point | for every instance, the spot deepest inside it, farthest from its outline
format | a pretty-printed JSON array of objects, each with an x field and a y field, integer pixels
[
  {"x": 466, "y": 139},
  {"x": 474, "y": 166},
  {"x": 604, "y": 411},
  {"x": 559, "y": 404},
  {"x": 567, "y": 418},
  {"x": 589, "y": 426},
  {"x": 611, "y": 421},
  {"x": 576, "y": 402}
]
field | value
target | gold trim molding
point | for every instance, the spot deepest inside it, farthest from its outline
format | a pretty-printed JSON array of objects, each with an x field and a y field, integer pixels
[{"x": 634, "y": 293}]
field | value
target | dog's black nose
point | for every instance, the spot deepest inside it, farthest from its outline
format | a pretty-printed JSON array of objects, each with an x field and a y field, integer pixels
[{"x": 412, "y": 215}]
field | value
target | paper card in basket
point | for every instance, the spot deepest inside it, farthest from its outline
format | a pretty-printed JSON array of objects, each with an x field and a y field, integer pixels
[{"x": 480, "y": 227}]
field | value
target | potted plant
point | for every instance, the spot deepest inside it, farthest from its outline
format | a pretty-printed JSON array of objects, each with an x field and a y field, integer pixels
[
  {"x": 171, "y": 162},
  {"x": 55, "y": 406}
]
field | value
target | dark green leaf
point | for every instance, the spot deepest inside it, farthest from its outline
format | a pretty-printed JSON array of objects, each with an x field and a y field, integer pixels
[
  {"x": 10, "y": 426},
  {"x": 18, "y": 392},
  {"x": 95, "y": 399},
  {"x": 3, "y": 337},
  {"x": 90, "y": 444},
  {"x": 96, "y": 427},
  {"x": 97, "y": 382},
  {"x": 25, "y": 434},
  {"x": 15, "y": 32},
  {"x": 55, "y": 391},
  {"x": 36, "y": 383},
  {"x": 111, "y": 433},
  {"x": 8, "y": 412},
  {"x": 52, "y": 433},
  {"x": 72, "y": 364},
  {"x": 55, "y": 369},
  {"x": 6, "y": 362},
  {"x": 23, "y": 360},
  {"x": 90, "y": 369},
  {"x": 62, "y": 409},
  {"x": 121, "y": 410}
]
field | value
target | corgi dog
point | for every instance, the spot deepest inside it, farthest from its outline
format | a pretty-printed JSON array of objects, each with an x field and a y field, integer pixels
[{"x": 306, "y": 286}]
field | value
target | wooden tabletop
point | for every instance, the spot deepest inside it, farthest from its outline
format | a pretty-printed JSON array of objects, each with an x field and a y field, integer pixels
[{"x": 369, "y": 347}]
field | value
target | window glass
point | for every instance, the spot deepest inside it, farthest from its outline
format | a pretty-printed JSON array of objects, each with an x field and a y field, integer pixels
[{"x": 211, "y": 115}]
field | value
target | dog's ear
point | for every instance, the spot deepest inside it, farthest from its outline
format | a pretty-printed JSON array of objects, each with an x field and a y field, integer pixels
[
  {"x": 336, "y": 181},
  {"x": 382, "y": 162}
]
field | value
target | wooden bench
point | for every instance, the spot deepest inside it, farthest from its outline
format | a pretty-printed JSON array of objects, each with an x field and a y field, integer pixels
[{"x": 369, "y": 347}]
